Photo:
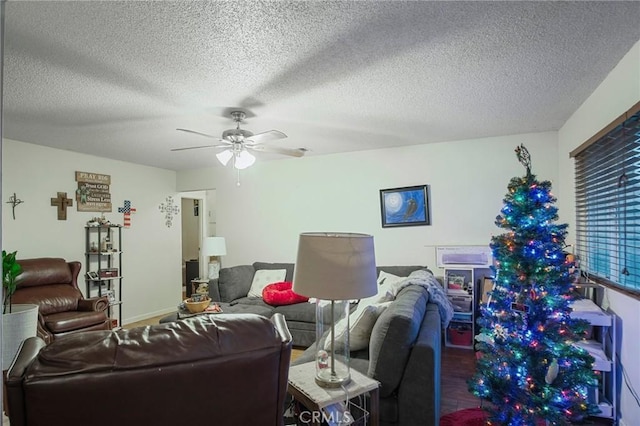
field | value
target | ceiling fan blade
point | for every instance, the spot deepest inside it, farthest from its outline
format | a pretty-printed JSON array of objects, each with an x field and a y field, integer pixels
[
  {"x": 293, "y": 152},
  {"x": 202, "y": 146},
  {"x": 196, "y": 147},
  {"x": 270, "y": 135},
  {"x": 201, "y": 134}
]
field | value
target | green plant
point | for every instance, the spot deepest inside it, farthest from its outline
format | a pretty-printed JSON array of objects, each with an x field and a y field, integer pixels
[{"x": 10, "y": 271}]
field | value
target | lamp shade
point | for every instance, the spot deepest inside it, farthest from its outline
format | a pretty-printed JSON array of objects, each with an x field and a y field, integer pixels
[
  {"x": 224, "y": 156},
  {"x": 214, "y": 246},
  {"x": 335, "y": 266},
  {"x": 243, "y": 160}
]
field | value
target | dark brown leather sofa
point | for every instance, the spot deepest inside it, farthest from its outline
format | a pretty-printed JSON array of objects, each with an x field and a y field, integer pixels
[
  {"x": 212, "y": 369},
  {"x": 52, "y": 284}
]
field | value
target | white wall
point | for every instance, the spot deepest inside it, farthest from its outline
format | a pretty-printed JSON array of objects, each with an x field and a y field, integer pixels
[
  {"x": 617, "y": 93},
  {"x": 151, "y": 251},
  {"x": 277, "y": 200}
]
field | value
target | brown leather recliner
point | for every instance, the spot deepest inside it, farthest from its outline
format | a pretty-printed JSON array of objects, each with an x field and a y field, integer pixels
[
  {"x": 222, "y": 369},
  {"x": 52, "y": 284}
]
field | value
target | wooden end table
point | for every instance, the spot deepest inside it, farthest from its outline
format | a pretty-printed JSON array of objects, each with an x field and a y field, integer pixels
[{"x": 303, "y": 388}]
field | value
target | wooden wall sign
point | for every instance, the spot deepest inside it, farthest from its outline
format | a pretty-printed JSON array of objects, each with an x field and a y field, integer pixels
[{"x": 93, "y": 193}]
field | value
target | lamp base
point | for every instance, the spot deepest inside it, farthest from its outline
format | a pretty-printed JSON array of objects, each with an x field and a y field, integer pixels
[
  {"x": 332, "y": 381},
  {"x": 332, "y": 357},
  {"x": 214, "y": 270}
]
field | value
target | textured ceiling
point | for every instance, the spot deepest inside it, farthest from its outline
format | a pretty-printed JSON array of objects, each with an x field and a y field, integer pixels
[{"x": 115, "y": 79}]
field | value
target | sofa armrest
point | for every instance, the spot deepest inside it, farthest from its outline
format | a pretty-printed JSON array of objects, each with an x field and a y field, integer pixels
[
  {"x": 96, "y": 304},
  {"x": 419, "y": 390},
  {"x": 27, "y": 352},
  {"x": 214, "y": 290},
  {"x": 42, "y": 331}
]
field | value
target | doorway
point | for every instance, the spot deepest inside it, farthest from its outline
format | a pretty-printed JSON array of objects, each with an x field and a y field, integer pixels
[{"x": 198, "y": 222}]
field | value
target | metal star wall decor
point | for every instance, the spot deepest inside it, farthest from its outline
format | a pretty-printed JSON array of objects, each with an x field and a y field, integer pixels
[{"x": 170, "y": 210}]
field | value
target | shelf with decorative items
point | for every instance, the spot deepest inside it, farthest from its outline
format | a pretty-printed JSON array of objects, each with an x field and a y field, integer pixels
[
  {"x": 461, "y": 283},
  {"x": 466, "y": 268},
  {"x": 103, "y": 266},
  {"x": 601, "y": 344}
]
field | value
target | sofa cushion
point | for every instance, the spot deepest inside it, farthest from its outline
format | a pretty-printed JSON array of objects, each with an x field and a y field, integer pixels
[
  {"x": 63, "y": 322},
  {"x": 43, "y": 271},
  {"x": 288, "y": 266},
  {"x": 393, "y": 336},
  {"x": 264, "y": 277},
  {"x": 400, "y": 271},
  {"x": 385, "y": 278},
  {"x": 258, "y": 308},
  {"x": 361, "y": 322},
  {"x": 235, "y": 282},
  {"x": 252, "y": 301},
  {"x": 61, "y": 298},
  {"x": 301, "y": 312},
  {"x": 282, "y": 293}
]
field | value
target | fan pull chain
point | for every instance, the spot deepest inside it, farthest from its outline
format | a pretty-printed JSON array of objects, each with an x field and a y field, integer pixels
[{"x": 237, "y": 177}]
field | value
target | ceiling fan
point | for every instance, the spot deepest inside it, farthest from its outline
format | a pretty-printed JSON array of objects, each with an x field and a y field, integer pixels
[{"x": 237, "y": 143}]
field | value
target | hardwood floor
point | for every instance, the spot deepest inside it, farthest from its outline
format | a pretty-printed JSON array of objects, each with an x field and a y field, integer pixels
[{"x": 458, "y": 365}]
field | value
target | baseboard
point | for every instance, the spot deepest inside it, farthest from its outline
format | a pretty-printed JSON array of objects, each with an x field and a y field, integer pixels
[{"x": 148, "y": 315}]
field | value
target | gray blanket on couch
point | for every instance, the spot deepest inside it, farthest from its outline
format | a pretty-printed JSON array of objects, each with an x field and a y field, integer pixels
[{"x": 436, "y": 292}]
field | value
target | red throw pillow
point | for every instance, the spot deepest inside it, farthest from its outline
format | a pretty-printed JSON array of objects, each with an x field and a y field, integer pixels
[{"x": 277, "y": 294}]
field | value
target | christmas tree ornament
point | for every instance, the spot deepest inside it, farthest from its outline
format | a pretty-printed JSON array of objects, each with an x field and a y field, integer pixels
[{"x": 552, "y": 372}]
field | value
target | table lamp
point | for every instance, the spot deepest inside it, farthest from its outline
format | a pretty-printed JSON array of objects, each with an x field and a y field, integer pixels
[
  {"x": 214, "y": 246},
  {"x": 334, "y": 268}
]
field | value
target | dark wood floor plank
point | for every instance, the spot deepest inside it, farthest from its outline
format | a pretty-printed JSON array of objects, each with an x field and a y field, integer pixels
[{"x": 458, "y": 365}]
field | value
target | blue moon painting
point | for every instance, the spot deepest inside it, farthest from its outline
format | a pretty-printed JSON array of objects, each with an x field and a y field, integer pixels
[{"x": 405, "y": 207}]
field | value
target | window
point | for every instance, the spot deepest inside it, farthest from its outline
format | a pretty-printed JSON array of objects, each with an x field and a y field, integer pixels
[{"x": 608, "y": 203}]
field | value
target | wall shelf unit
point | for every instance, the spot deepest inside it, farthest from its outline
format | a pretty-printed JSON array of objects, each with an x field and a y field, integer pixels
[
  {"x": 103, "y": 267},
  {"x": 602, "y": 346}
]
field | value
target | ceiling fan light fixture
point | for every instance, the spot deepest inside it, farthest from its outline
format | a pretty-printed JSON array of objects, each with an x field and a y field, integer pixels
[
  {"x": 243, "y": 160},
  {"x": 224, "y": 156}
]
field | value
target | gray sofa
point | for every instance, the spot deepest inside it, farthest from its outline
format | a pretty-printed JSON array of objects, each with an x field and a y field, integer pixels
[
  {"x": 404, "y": 356},
  {"x": 404, "y": 349},
  {"x": 233, "y": 286}
]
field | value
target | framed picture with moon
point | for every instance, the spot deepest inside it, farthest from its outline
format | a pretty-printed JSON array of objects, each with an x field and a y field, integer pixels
[{"x": 407, "y": 206}]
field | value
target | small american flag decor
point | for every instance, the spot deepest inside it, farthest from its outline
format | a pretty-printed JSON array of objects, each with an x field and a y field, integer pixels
[{"x": 127, "y": 210}]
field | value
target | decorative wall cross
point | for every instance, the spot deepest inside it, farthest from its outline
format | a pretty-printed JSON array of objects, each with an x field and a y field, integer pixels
[
  {"x": 14, "y": 201},
  {"x": 127, "y": 210},
  {"x": 62, "y": 202},
  {"x": 169, "y": 209}
]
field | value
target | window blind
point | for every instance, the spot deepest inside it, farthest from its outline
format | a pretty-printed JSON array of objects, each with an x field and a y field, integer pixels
[{"x": 608, "y": 206}]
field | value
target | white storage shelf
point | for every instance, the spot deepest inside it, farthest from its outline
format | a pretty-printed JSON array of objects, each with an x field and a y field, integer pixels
[
  {"x": 603, "y": 350},
  {"x": 460, "y": 282}
]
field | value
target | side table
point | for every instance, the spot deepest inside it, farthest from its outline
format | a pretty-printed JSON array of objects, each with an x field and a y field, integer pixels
[
  {"x": 195, "y": 283},
  {"x": 303, "y": 388}
]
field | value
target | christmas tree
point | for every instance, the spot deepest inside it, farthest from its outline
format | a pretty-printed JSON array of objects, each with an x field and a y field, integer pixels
[{"x": 529, "y": 370}]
